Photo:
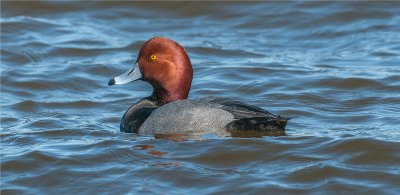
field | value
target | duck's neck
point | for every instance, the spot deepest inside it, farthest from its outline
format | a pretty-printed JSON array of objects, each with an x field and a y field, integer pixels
[
  {"x": 174, "y": 88},
  {"x": 164, "y": 96}
]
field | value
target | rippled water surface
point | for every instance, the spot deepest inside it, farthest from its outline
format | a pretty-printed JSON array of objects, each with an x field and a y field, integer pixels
[{"x": 333, "y": 67}]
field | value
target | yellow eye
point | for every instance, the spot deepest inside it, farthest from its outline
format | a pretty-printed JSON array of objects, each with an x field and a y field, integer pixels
[{"x": 153, "y": 57}]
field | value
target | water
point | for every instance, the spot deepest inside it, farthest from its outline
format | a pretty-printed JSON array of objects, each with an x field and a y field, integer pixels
[{"x": 333, "y": 67}]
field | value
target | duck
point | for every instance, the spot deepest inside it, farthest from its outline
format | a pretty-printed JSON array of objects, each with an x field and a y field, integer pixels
[{"x": 166, "y": 66}]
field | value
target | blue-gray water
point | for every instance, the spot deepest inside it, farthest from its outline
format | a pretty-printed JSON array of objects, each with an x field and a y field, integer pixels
[{"x": 333, "y": 67}]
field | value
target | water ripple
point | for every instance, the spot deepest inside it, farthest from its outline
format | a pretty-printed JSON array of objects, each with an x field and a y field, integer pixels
[{"x": 330, "y": 66}]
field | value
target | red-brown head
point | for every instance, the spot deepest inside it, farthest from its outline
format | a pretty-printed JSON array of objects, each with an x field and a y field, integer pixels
[{"x": 165, "y": 65}]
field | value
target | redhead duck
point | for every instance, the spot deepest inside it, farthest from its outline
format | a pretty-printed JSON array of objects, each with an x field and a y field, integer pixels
[{"x": 165, "y": 64}]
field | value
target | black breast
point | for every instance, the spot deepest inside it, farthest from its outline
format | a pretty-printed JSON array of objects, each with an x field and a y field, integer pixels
[{"x": 136, "y": 115}]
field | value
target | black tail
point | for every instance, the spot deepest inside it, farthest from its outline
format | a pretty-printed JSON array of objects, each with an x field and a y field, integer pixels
[{"x": 257, "y": 127}]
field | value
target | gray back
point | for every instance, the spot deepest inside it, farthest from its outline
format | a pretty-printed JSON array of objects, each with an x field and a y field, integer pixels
[{"x": 187, "y": 116}]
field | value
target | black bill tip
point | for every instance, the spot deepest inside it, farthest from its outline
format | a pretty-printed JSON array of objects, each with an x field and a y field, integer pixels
[{"x": 111, "y": 82}]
